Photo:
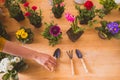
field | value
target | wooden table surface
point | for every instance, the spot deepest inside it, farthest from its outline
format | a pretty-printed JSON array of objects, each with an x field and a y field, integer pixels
[{"x": 102, "y": 57}]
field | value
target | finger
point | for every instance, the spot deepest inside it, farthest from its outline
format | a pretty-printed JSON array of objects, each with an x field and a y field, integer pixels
[
  {"x": 47, "y": 66},
  {"x": 53, "y": 62},
  {"x": 50, "y": 66}
]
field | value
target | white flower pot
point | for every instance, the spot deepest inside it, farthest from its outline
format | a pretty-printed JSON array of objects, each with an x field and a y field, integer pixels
[
  {"x": 117, "y": 1},
  {"x": 80, "y": 1}
]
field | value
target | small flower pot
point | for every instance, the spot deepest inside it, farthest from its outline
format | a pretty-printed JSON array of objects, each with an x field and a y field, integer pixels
[
  {"x": 102, "y": 35},
  {"x": 106, "y": 11},
  {"x": 72, "y": 36},
  {"x": 23, "y": 1},
  {"x": 3, "y": 32},
  {"x": 36, "y": 21},
  {"x": 58, "y": 11},
  {"x": 19, "y": 16},
  {"x": 57, "y": 15},
  {"x": 85, "y": 21},
  {"x": 30, "y": 41},
  {"x": 37, "y": 25}
]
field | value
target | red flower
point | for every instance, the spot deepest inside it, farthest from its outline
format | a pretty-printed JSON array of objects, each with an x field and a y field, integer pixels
[
  {"x": 27, "y": 14},
  {"x": 34, "y": 8},
  {"x": 2, "y": 1},
  {"x": 26, "y": 4},
  {"x": 88, "y": 5}
]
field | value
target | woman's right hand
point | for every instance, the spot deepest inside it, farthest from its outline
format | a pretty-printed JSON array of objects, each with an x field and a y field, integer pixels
[{"x": 46, "y": 60}]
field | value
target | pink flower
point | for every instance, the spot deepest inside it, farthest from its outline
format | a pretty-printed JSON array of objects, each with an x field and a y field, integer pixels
[
  {"x": 34, "y": 8},
  {"x": 69, "y": 17},
  {"x": 61, "y": 4},
  {"x": 27, "y": 14},
  {"x": 56, "y": 5},
  {"x": 26, "y": 4}
]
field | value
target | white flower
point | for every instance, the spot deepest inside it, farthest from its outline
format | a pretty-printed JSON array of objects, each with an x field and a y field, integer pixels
[
  {"x": 10, "y": 67},
  {"x": 5, "y": 61},
  {"x": 16, "y": 59},
  {"x": 5, "y": 65}
]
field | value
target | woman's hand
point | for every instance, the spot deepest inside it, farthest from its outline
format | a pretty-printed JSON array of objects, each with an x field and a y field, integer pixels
[{"x": 46, "y": 60}]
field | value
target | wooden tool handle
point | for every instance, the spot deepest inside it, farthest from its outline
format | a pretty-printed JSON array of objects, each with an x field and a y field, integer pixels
[
  {"x": 84, "y": 66},
  {"x": 72, "y": 67}
]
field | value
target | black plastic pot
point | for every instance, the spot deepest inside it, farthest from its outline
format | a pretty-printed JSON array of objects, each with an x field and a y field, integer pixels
[
  {"x": 23, "y": 1},
  {"x": 72, "y": 36},
  {"x": 19, "y": 16},
  {"x": 85, "y": 21},
  {"x": 3, "y": 32},
  {"x": 37, "y": 25},
  {"x": 57, "y": 15}
]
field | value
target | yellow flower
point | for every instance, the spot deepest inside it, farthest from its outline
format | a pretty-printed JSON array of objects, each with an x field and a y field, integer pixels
[
  {"x": 17, "y": 36},
  {"x": 22, "y": 30},
  {"x": 24, "y": 35},
  {"x": 19, "y": 32}
]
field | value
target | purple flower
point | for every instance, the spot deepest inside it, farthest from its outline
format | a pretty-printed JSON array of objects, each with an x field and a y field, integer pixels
[
  {"x": 113, "y": 27},
  {"x": 55, "y": 30}
]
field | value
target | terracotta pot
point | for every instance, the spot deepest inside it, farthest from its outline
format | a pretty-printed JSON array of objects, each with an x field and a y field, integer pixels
[{"x": 72, "y": 36}]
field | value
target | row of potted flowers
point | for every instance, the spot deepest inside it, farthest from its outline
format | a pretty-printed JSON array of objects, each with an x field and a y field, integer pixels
[
  {"x": 53, "y": 33},
  {"x": 35, "y": 17},
  {"x": 85, "y": 15}
]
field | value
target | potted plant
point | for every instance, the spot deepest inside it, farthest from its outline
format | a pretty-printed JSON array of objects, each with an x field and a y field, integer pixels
[
  {"x": 24, "y": 35},
  {"x": 87, "y": 13},
  {"x": 58, "y": 8},
  {"x": 14, "y": 10},
  {"x": 34, "y": 17},
  {"x": 10, "y": 66},
  {"x": 75, "y": 32},
  {"x": 3, "y": 32},
  {"x": 107, "y": 30},
  {"x": 52, "y": 33},
  {"x": 108, "y": 5}
]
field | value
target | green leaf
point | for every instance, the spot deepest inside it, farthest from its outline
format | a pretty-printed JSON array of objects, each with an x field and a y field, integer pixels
[
  {"x": 117, "y": 36},
  {"x": 6, "y": 76},
  {"x": 103, "y": 23},
  {"x": 14, "y": 75}
]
